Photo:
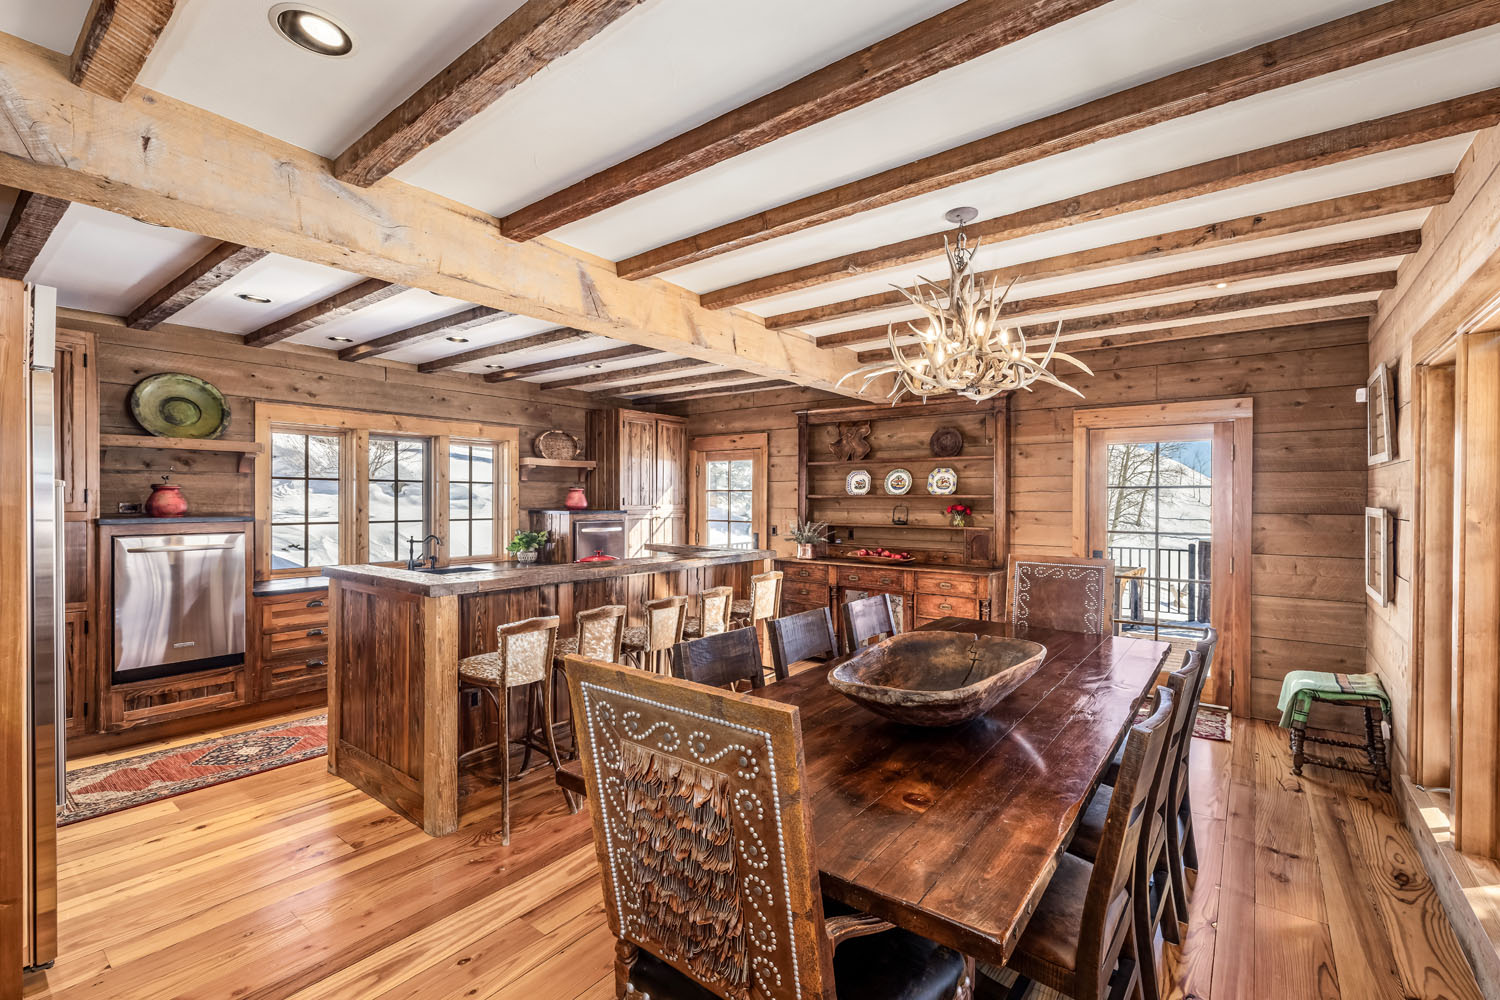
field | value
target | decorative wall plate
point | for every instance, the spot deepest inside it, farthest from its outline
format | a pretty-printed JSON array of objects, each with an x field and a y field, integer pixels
[
  {"x": 942, "y": 482},
  {"x": 857, "y": 483},
  {"x": 897, "y": 482},
  {"x": 180, "y": 406},
  {"x": 946, "y": 442}
]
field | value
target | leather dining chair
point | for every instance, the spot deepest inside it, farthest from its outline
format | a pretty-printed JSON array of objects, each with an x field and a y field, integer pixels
[
  {"x": 1153, "y": 903},
  {"x": 804, "y": 636},
  {"x": 722, "y": 660},
  {"x": 1081, "y": 940},
  {"x": 1061, "y": 592},
  {"x": 868, "y": 619},
  {"x": 703, "y": 829}
]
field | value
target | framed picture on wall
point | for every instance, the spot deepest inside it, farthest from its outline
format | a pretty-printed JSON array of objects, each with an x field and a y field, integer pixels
[
  {"x": 1379, "y": 573},
  {"x": 1380, "y": 420}
]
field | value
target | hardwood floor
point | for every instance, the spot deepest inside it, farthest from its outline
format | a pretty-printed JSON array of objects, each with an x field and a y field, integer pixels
[{"x": 291, "y": 884}]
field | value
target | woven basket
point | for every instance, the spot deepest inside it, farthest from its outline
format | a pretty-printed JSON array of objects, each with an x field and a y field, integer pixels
[{"x": 556, "y": 444}]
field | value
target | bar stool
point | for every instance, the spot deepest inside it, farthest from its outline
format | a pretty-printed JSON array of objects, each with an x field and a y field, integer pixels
[
  {"x": 715, "y": 603},
  {"x": 523, "y": 659},
  {"x": 648, "y": 645},
  {"x": 764, "y": 602},
  {"x": 597, "y": 634}
]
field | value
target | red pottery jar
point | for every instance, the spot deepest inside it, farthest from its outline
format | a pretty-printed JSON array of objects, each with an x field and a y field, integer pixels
[
  {"x": 166, "y": 500},
  {"x": 576, "y": 499}
]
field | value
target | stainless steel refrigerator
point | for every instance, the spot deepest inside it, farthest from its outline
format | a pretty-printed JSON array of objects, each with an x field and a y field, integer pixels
[{"x": 46, "y": 707}]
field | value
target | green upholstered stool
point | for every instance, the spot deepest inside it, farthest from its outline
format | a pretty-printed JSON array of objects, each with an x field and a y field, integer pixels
[{"x": 1301, "y": 689}]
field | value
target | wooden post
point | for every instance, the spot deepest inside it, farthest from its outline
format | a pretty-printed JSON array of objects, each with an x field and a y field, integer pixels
[
  {"x": 14, "y": 612},
  {"x": 1476, "y": 737},
  {"x": 440, "y": 715}
]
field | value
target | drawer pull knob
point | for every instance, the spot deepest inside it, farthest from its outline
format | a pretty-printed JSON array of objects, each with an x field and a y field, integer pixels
[
  {"x": 946, "y": 585},
  {"x": 317, "y": 663},
  {"x": 314, "y": 631},
  {"x": 316, "y": 602},
  {"x": 853, "y": 577},
  {"x": 945, "y": 607}
]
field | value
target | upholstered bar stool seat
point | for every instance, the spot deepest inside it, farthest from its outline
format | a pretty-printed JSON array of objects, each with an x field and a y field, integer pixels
[{"x": 486, "y": 669}]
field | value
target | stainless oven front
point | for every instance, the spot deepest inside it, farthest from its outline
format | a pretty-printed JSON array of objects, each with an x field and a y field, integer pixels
[{"x": 179, "y": 603}]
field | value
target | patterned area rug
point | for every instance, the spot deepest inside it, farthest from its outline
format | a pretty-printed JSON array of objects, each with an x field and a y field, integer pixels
[
  {"x": 132, "y": 781},
  {"x": 1212, "y": 723}
]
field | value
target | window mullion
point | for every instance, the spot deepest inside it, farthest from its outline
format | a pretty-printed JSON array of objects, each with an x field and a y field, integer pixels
[{"x": 356, "y": 508}]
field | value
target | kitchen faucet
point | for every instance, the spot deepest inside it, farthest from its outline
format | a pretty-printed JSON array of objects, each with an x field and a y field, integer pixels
[{"x": 413, "y": 561}]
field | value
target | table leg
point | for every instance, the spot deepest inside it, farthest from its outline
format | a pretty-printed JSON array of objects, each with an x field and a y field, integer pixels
[{"x": 1377, "y": 749}]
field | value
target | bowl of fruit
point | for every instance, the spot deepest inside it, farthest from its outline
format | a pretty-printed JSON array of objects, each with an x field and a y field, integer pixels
[{"x": 882, "y": 555}]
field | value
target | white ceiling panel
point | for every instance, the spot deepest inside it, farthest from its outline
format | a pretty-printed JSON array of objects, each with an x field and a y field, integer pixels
[
  {"x": 290, "y": 285},
  {"x": 499, "y": 332},
  {"x": 398, "y": 312},
  {"x": 52, "y": 24},
  {"x": 657, "y": 72},
  {"x": 224, "y": 56},
  {"x": 108, "y": 263},
  {"x": 1433, "y": 73}
]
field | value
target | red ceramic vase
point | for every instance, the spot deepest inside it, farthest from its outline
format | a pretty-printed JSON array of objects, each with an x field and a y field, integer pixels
[
  {"x": 576, "y": 499},
  {"x": 166, "y": 500}
]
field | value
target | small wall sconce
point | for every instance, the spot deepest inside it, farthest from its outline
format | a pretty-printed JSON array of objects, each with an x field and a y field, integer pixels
[{"x": 899, "y": 513}]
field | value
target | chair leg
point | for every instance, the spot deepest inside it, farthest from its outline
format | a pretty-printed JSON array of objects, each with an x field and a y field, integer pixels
[
  {"x": 548, "y": 705},
  {"x": 1299, "y": 732},
  {"x": 1189, "y": 840},
  {"x": 1143, "y": 933},
  {"x": 502, "y": 712},
  {"x": 1176, "y": 873},
  {"x": 1376, "y": 743},
  {"x": 1171, "y": 916},
  {"x": 1126, "y": 981}
]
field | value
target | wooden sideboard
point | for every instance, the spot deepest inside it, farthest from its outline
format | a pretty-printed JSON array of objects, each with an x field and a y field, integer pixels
[{"x": 922, "y": 593}]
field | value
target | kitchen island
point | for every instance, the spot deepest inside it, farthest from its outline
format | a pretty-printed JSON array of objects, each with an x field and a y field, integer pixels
[{"x": 395, "y": 723}]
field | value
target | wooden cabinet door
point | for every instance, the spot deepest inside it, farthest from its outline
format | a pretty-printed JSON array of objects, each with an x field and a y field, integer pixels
[
  {"x": 671, "y": 463},
  {"x": 637, "y": 460},
  {"x": 79, "y": 675},
  {"x": 76, "y": 400}
]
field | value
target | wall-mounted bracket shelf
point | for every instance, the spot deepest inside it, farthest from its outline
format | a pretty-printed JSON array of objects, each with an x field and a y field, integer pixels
[
  {"x": 582, "y": 466},
  {"x": 247, "y": 450}
]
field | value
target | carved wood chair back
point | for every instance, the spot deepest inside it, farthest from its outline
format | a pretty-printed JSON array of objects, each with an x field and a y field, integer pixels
[
  {"x": 716, "y": 603},
  {"x": 1061, "y": 592},
  {"x": 804, "y": 636},
  {"x": 600, "y": 631},
  {"x": 721, "y": 660},
  {"x": 703, "y": 833},
  {"x": 1124, "y": 826},
  {"x": 867, "y": 620}
]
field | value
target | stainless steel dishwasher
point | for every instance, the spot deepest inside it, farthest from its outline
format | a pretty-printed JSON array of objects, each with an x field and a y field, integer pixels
[{"x": 179, "y": 603}]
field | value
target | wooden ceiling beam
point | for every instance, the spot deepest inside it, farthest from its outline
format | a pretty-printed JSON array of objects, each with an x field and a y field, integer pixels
[
  {"x": 625, "y": 374},
  {"x": 1407, "y": 128},
  {"x": 1310, "y": 318},
  {"x": 1302, "y": 218},
  {"x": 207, "y": 175},
  {"x": 1286, "y": 264},
  {"x": 950, "y": 38},
  {"x": 1195, "y": 309},
  {"x": 575, "y": 361},
  {"x": 537, "y": 33},
  {"x": 550, "y": 338},
  {"x": 199, "y": 278},
  {"x": 117, "y": 37},
  {"x": 708, "y": 378},
  {"x": 1349, "y": 41},
  {"x": 727, "y": 390},
  {"x": 443, "y": 326},
  {"x": 336, "y": 306},
  {"x": 32, "y": 220}
]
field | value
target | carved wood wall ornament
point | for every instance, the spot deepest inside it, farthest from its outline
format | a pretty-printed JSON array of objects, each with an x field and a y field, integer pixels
[{"x": 852, "y": 443}]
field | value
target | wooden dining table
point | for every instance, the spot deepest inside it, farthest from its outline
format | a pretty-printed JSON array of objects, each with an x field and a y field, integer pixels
[{"x": 954, "y": 833}]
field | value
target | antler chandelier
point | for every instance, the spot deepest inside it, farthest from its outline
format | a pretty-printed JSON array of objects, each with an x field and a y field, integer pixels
[{"x": 962, "y": 348}]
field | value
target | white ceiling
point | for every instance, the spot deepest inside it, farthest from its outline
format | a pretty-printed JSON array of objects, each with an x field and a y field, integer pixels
[{"x": 672, "y": 64}]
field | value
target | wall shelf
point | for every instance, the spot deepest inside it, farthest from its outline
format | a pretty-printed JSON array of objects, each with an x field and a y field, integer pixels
[
  {"x": 912, "y": 459},
  {"x": 582, "y": 466},
  {"x": 247, "y": 450},
  {"x": 903, "y": 498}
]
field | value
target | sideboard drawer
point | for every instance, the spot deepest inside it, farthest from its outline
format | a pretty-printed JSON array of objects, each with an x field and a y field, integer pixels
[
  {"x": 299, "y": 611},
  {"x": 295, "y": 642},
  {"x": 933, "y": 606},
  {"x": 950, "y": 584},
  {"x": 306, "y": 673},
  {"x": 802, "y": 571},
  {"x": 813, "y": 595},
  {"x": 873, "y": 578}
]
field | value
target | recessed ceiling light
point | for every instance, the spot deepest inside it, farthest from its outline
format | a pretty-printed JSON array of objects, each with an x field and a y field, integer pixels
[
  {"x": 1222, "y": 284},
  {"x": 342, "y": 340},
  {"x": 257, "y": 299},
  {"x": 494, "y": 366},
  {"x": 311, "y": 29},
  {"x": 596, "y": 366},
  {"x": 458, "y": 340}
]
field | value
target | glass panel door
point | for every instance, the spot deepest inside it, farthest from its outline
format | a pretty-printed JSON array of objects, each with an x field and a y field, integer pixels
[
  {"x": 1159, "y": 532},
  {"x": 730, "y": 502}
]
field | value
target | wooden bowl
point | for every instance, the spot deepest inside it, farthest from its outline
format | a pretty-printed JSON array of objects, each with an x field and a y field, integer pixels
[{"x": 936, "y": 678}]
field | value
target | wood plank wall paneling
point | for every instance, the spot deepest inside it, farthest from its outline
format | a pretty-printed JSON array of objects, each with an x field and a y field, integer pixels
[
  {"x": 211, "y": 481},
  {"x": 1307, "y": 593}
]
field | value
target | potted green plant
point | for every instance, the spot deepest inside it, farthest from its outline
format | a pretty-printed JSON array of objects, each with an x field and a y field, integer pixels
[
  {"x": 807, "y": 534},
  {"x": 527, "y": 545}
]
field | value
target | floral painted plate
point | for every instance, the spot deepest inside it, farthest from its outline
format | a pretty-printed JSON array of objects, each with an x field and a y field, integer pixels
[
  {"x": 942, "y": 482},
  {"x": 897, "y": 482},
  {"x": 857, "y": 483}
]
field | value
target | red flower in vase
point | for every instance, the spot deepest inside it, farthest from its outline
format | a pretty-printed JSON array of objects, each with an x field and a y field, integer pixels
[{"x": 959, "y": 508}]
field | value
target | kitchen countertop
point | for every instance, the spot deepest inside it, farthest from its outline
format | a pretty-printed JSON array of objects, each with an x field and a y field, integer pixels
[
  {"x": 289, "y": 585},
  {"x": 513, "y": 576},
  {"x": 185, "y": 519}
]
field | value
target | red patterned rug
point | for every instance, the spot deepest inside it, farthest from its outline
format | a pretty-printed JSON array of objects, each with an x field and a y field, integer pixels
[
  {"x": 1212, "y": 723},
  {"x": 133, "y": 781}
]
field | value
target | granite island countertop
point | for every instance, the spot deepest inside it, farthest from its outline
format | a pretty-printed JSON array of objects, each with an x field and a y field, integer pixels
[{"x": 513, "y": 576}]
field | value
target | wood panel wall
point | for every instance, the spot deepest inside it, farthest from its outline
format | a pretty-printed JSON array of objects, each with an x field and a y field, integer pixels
[
  {"x": 211, "y": 481},
  {"x": 1307, "y": 603}
]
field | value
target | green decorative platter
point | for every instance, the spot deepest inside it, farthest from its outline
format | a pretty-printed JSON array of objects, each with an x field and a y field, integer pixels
[{"x": 175, "y": 405}]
